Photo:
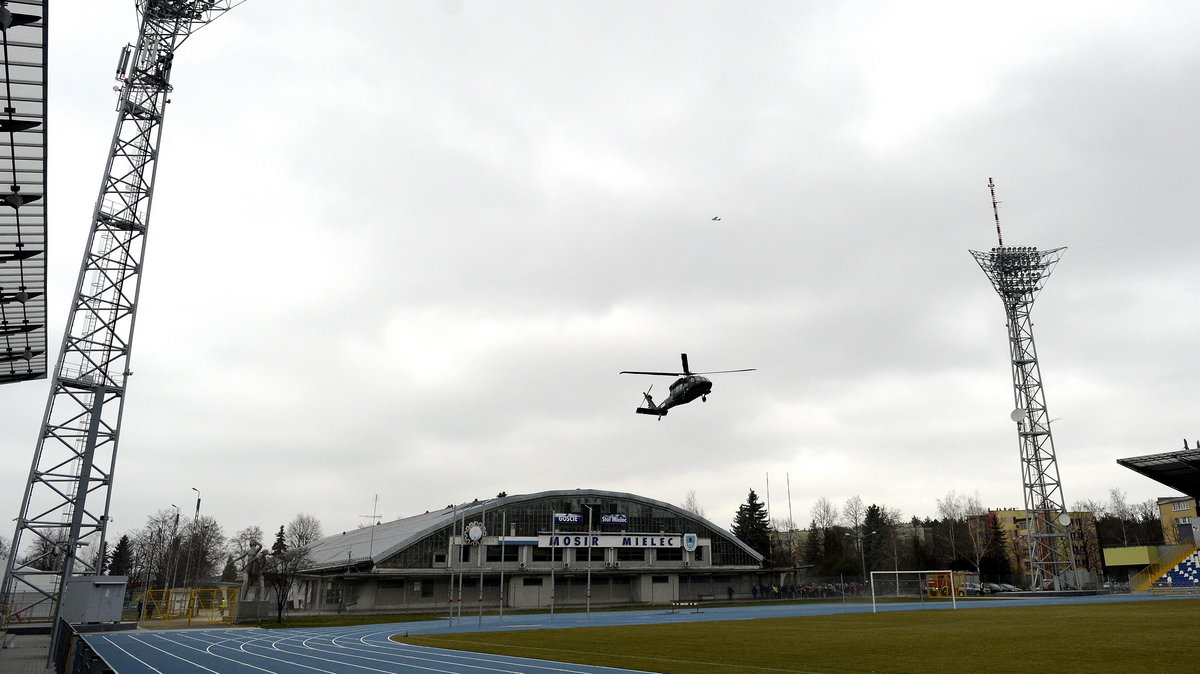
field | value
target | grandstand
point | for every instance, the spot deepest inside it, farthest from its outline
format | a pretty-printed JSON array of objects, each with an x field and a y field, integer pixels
[
  {"x": 1185, "y": 573},
  {"x": 1178, "y": 569}
]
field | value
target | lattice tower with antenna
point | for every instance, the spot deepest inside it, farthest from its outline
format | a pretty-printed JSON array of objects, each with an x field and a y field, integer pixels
[
  {"x": 1018, "y": 274},
  {"x": 65, "y": 507}
]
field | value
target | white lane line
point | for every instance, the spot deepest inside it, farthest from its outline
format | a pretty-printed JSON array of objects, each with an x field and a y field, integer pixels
[
  {"x": 208, "y": 651},
  {"x": 117, "y": 646}
]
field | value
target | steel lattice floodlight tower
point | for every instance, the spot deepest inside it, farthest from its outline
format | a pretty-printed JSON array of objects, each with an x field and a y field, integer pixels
[
  {"x": 1017, "y": 274},
  {"x": 66, "y": 501}
]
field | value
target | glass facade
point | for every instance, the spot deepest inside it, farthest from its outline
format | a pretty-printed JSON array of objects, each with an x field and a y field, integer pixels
[{"x": 533, "y": 517}]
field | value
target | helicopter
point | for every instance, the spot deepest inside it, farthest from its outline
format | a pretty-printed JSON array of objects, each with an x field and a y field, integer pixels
[{"x": 687, "y": 388}]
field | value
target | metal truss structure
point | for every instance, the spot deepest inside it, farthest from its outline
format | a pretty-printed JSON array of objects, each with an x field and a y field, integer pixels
[
  {"x": 23, "y": 179},
  {"x": 1017, "y": 274},
  {"x": 61, "y": 527}
]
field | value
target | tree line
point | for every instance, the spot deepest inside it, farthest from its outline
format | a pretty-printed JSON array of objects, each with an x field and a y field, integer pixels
[
  {"x": 855, "y": 538},
  {"x": 173, "y": 551}
]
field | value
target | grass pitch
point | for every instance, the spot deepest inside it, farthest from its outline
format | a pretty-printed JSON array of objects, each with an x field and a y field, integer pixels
[{"x": 1119, "y": 637}]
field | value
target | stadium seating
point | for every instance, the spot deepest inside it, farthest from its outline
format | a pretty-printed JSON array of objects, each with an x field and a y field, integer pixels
[{"x": 1185, "y": 573}]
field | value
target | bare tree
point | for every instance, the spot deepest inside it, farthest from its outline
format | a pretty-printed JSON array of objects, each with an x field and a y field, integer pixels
[
  {"x": 1118, "y": 506},
  {"x": 952, "y": 509},
  {"x": 976, "y": 517},
  {"x": 156, "y": 548},
  {"x": 692, "y": 504},
  {"x": 205, "y": 544},
  {"x": 242, "y": 544},
  {"x": 280, "y": 574},
  {"x": 853, "y": 512},
  {"x": 1097, "y": 508},
  {"x": 47, "y": 552},
  {"x": 824, "y": 515},
  {"x": 303, "y": 530}
]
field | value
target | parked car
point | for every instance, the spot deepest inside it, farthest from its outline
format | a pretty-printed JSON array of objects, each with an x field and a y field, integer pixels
[
  {"x": 1010, "y": 588},
  {"x": 991, "y": 588},
  {"x": 972, "y": 589}
]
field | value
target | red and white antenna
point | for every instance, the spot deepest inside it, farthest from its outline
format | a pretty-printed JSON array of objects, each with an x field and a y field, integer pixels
[{"x": 996, "y": 211}]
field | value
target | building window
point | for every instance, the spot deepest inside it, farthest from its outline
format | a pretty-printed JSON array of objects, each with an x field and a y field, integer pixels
[
  {"x": 698, "y": 555},
  {"x": 439, "y": 558},
  {"x": 668, "y": 555},
  {"x": 631, "y": 554},
  {"x": 1183, "y": 520},
  {"x": 1181, "y": 505},
  {"x": 502, "y": 553},
  {"x": 660, "y": 579},
  {"x": 581, "y": 554},
  {"x": 531, "y": 582}
]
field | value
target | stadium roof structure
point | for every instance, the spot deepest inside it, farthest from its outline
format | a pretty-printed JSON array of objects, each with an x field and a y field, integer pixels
[
  {"x": 23, "y": 192},
  {"x": 1178, "y": 470},
  {"x": 373, "y": 544}
]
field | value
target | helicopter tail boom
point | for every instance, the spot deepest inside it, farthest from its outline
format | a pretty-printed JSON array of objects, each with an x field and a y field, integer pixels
[{"x": 655, "y": 411}]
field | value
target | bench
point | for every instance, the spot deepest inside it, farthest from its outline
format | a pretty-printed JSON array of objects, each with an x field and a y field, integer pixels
[{"x": 694, "y": 605}]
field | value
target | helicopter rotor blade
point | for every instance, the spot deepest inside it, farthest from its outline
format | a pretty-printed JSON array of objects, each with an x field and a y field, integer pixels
[
  {"x": 748, "y": 369},
  {"x": 683, "y": 357},
  {"x": 662, "y": 374}
]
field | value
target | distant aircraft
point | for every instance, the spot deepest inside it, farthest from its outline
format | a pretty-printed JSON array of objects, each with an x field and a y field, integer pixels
[
  {"x": 716, "y": 218},
  {"x": 687, "y": 388}
]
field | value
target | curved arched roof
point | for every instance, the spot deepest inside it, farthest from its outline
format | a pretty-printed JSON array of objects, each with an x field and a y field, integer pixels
[{"x": 377, "y": 543}]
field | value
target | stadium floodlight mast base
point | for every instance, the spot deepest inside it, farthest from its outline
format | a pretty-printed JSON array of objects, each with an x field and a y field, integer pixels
[
  {"x": 65, "y": 507},
  {"x": 1017, "y": 274}
]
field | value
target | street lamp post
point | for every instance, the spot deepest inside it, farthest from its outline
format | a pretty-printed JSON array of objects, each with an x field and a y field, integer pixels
[
  {"x": 174, "y": 556},
  {"x": 187, "y": 567},
  {"x": 862, "y": 555},
  {"x": 589, "y": 565}
]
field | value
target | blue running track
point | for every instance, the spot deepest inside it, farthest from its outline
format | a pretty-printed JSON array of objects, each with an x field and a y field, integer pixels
[{"x": 367, "y": 648}]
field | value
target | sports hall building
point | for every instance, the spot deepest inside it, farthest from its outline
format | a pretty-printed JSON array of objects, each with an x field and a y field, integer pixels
[{"x": 529, "y": 550}]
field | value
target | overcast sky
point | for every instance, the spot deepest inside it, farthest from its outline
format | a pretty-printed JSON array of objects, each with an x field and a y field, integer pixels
[{"x": 404, "y": 248}]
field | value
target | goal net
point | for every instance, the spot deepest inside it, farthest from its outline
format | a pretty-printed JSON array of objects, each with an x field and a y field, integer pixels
[{"x": 925, "y": 585}]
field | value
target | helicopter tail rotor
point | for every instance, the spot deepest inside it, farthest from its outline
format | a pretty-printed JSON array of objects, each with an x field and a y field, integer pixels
[{"x": 649, "y": 401}]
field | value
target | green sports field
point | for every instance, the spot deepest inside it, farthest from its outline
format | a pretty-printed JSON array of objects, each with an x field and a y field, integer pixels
[{"x": 1129, "y": 637}]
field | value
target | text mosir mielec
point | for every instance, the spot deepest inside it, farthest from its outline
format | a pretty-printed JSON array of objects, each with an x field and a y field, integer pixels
[{"x": 610, "y": 541}]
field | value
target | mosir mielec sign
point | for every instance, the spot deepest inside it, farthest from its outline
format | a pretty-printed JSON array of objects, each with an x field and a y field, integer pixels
[{"x": 610, "y": 541}]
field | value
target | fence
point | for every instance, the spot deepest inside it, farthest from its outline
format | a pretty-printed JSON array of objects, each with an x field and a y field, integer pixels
[
  {"x": 189, "y": 606},
  {"x": 73, "y": 654}
]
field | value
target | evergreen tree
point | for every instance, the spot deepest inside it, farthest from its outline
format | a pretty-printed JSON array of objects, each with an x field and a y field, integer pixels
[
  {"x": 280, "y": 546},
  {"x": 994, "y": 566},
  {"x": 812, "y": 546},
  {"x": 121, "y": 563},
  {"x": 876, "y": 543},
  {"x": 752, "y": 527}
]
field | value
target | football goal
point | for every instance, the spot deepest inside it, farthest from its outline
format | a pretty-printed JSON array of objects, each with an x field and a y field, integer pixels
[{"x": 919, "y": 585}]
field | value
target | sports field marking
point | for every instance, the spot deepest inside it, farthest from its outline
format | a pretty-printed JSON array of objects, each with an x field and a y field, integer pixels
[
  {"x": 144, "y": 663},
  {"x": 208, "y": 650},
  {"x": 147, "y": 644}
]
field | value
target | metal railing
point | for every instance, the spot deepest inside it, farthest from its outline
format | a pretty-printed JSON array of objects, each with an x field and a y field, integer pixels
[{"x": 1167, "y": 561}]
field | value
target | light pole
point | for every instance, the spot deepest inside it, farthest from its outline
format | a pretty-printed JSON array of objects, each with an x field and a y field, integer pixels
[
  {"x": 174, "y": 556},
  {"x": 187, "y": 567},
  {"x": 589, "y": 566},
  {"x": 862, "y": 555}
]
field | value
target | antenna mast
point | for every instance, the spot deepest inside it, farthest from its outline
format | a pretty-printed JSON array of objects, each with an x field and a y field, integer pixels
[
  {"x": 64, "y": 511},
  {"x": 996, "y": 212},
  {"x": 1017, "y": 274}
]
